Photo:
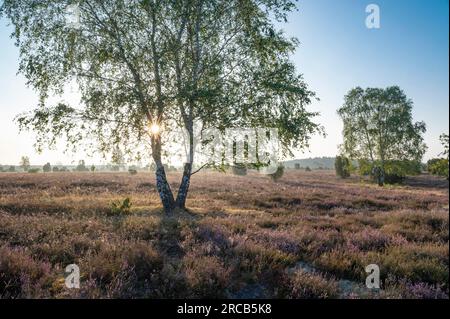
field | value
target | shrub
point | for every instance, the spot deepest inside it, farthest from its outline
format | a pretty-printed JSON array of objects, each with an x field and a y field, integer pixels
[
  {"x": 21, "y": 276},
  {"x": 307, "y": 169},
  {"x": 132, "y": 171},
  {"x": 394, "y": 171},
  {"x": 12, "y": 169},
  {"x": 364, "y": 167},
  {"x": 144, "y": 260},
  {"x": 278, "y": 173},
  {"x": 403, "y": 168},
  {"x": 406, "y": 289},
  {"x": 55, "y": 169},
  {"x": 34, "y": 170},
  {"x": 121, "y": 207},
  {"x": 438, "y": 166},
  {"x": 343, "y": 166},
  {"x": 305, "y": 285},
  {"x": 297, "y": 166},
  {"x": 394, "y": 179},
  {"x": 206, "y": 276}
]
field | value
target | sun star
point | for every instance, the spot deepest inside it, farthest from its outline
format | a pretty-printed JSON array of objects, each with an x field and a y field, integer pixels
[{"x": 155, "y": 129}]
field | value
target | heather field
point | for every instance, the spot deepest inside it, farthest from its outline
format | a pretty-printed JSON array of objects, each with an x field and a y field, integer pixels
[{"x": 308, "y": 235}]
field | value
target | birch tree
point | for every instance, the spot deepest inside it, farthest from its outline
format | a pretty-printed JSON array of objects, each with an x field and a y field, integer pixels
[
  {"x": 144, "y": 67},
  {"x": 378, "y": 126}
]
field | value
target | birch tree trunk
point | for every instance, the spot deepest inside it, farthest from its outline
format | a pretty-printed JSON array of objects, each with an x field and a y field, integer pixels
[{"x": 162, "y": 185}]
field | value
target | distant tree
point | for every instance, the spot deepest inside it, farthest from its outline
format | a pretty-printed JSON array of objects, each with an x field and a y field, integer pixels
[
  {"x": 81, "y": 167},
  {"x": 445, "y": 144},
  {"x": 1, "y": 168},
  {"x": 33, "y": 170},
  {"x": 378, "y": 127},
  {"x": 440, "y": 166},
  {"x": 47, "y": 168},
  {"x": 12, "y": 169},
  {"x": 25, "y": 163},
  {"x": 92, "y": 168},
  {"x": 161, "y": 64},
  {"x": 297, "y": 166},
  {"x": 55, "y": 169},
  {"x": 342, "y": 166},
  {"x": 118, "y": 158},
  {"x": 307, "y": 169}
]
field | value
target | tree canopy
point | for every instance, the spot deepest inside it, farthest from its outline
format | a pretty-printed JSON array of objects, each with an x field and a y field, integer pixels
[
  {"x": 378, "y": 126},
  {"x": 170, "y": 63}
]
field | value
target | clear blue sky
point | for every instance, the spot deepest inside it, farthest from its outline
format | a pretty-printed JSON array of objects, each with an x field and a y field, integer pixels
[{"x": 337, "y": 53}]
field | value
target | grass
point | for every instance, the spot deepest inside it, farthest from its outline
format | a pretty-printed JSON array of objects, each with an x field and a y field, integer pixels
[{"x": 242, "y": 237}]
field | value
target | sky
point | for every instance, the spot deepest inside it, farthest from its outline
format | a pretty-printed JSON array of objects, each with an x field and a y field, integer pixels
[{"x": 337, "y": 52}]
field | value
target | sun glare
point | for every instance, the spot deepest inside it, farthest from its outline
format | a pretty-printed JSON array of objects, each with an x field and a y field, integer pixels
[{"x": 155, "y": 129}]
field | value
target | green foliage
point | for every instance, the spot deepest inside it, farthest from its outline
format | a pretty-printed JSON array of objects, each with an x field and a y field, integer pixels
[
  {"x": 92, "y": 168},
  {"x": 342, "y": 166},
  {"x": 403, "y": 168},
  {"x": 12, "y": 169},
  {"x": 221, "y": 63},
  {"x": 364, "y": 167},
  {"x": 394, "y": 171},
  {"x": 215, "y": 64},
  {"x": 47, "y": 168},
  {"x": 121, "y": 207},
  {"x": 132, "y": 171},
  {"x": 278, "y": 173},
  {"x": 438, "y": 166},
  {"x": 55, "y": 169},
  {"x": 307, "y": 169},
  {"x": 445, "y": 144},
  {"x": 33, "y": 170},
  {"x": 378, "y": 126}
]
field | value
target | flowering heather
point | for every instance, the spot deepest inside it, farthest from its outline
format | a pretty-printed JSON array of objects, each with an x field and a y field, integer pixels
[{"x": 242, "y": 236}]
